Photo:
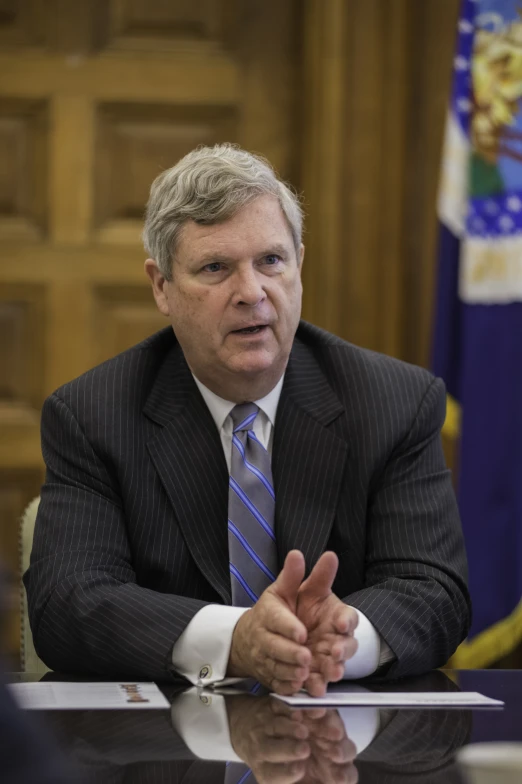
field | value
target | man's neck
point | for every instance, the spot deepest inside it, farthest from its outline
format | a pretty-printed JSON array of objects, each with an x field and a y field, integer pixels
[{"x": 240, "y": 389}]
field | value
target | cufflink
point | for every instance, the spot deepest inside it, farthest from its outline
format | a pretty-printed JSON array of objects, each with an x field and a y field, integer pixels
[{"x": 205, "y": 672}]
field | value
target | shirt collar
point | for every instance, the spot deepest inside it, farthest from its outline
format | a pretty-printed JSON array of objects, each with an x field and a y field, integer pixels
[{"x": 220, "y": 408}]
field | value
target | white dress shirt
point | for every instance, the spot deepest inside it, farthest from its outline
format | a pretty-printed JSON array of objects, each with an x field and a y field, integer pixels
[{"x": 202, "y": 651}]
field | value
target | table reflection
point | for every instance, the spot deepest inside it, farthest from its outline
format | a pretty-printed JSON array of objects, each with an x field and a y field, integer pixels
[{"x": 241, "y": 737}]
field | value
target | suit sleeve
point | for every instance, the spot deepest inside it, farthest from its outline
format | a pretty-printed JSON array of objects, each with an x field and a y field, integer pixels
[
  {"x": 87, "y": 612},
  {"x": 416, "y": 572}
]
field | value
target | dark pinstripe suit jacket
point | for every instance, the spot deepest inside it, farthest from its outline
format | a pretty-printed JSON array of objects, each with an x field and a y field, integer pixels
[{"x": 131, "y": 535}]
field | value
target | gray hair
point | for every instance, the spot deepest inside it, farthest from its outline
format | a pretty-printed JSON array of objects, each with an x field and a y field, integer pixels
[{"x": 209, "y": 185}]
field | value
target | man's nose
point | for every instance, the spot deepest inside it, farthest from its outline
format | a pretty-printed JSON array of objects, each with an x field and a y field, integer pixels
[{"x": 249, "y": 290}]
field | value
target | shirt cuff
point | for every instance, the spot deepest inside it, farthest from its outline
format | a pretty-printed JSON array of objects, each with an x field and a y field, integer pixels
[
  {"x": 201, "y": 721},
  {"x": 202, "y": 650},
  {"x": 368, "y": 654},
  {"x": 361, "y": 725},
  {"x": 387, "y": 655}
]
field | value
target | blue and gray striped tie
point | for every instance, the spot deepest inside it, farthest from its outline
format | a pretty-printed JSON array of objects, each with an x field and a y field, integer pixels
[{"x": 251, "y": 506}]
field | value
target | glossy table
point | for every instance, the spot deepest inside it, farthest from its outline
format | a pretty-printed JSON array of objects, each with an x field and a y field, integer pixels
[{"x": 360, "y": 744}]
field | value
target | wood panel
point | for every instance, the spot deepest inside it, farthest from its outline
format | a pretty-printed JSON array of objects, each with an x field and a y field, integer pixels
[
  {"x": 23, "y": 168},
  {"x": 378, "y": 76},
  {"x": 22, "y": 22},
  {"x": 269, "y": 54},
  {"x": 71, "y": 159},
  {"x": 134, "y": 143},
  {"x": 323, "y": 143},
  {"x": 431, "y": 46},
  {"x": 145, "y": 76},
  {"x": 146, "y": 23},
  {"x": 22, "y": 360},
  {"x": 96, "y": 98},
  {"x": 123, "y": 315}
]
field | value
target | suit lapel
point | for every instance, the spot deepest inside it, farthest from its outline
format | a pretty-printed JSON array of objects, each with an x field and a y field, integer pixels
[
  {"x": 188, "y": 456},
  {"x": 308, "y": 460},
  {"x": 308, "y": 463}
]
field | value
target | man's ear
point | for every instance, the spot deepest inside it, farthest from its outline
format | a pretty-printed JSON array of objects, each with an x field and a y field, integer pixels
[
  {"x": 159, "y": 283},
  {"x": 301, "y": 258}
]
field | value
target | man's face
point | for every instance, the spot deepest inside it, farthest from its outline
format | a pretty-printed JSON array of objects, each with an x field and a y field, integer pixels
[{"x": 235, "y": 299}]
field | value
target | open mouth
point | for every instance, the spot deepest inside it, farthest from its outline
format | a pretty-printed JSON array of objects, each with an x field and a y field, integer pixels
[{"x": 250, "y": 330}]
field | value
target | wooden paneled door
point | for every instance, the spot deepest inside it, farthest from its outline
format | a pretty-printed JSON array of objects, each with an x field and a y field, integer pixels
[{"x": 96, "y": 98}]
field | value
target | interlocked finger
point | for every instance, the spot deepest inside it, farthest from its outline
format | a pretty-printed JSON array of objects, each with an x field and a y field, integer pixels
[
  {"x": 282, "y": 773},
  {"x": 316, "y": 685},
  {"x": 280, "y": 708},
  {"x": 287, "y": 672},
  {"x": 285, "y": 688},
  {"x": 285, "y": 727},
  {"x": 280, "y": 649},
  {"x": 328, "y": 669},
  {"x": 338, "y": 647},
  {"x": 324, "y": 771},
  {"x": 282, "y": 749},
  {"x": 340, "y": 752},
  {"x": 330, "y": 728}
]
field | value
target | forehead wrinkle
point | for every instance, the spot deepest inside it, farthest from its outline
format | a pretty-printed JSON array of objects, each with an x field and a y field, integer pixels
[{"x": 234, "y": 242}]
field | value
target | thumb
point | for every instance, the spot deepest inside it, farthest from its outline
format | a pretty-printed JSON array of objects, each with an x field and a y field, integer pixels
[
  {"x": 290, "y": 577},
  {"x": 320, "y": 581}
]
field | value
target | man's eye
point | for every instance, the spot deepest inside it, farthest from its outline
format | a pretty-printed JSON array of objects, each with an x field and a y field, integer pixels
[
  {"x": 272, "y": 258},
  {"x": 214, "y": 266}
]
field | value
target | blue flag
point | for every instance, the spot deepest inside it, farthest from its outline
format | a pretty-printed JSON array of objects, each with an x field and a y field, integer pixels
[{"x": 478, "y": 324}]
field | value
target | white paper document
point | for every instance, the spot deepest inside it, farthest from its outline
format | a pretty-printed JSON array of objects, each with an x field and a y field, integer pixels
[
  {"x": 51, "y": 695},
  {"x": 426, "y": 699}
]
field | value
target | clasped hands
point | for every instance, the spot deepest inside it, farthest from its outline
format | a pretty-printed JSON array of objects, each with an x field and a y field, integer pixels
[
  {"x": 284, "y": 746},
  {"x": 298, "y": 634}
]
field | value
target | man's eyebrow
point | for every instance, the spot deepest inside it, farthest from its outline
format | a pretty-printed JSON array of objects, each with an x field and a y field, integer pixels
[
  {"x": 280, "y": 250},
  {"x": 212, "y": 258}
]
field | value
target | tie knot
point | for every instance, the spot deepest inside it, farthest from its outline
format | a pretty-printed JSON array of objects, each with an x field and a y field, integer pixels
[{"x": 243, "y": 416}]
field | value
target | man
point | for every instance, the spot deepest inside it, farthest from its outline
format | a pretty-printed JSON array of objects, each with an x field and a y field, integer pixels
[{"x": 324, "y": 458}]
